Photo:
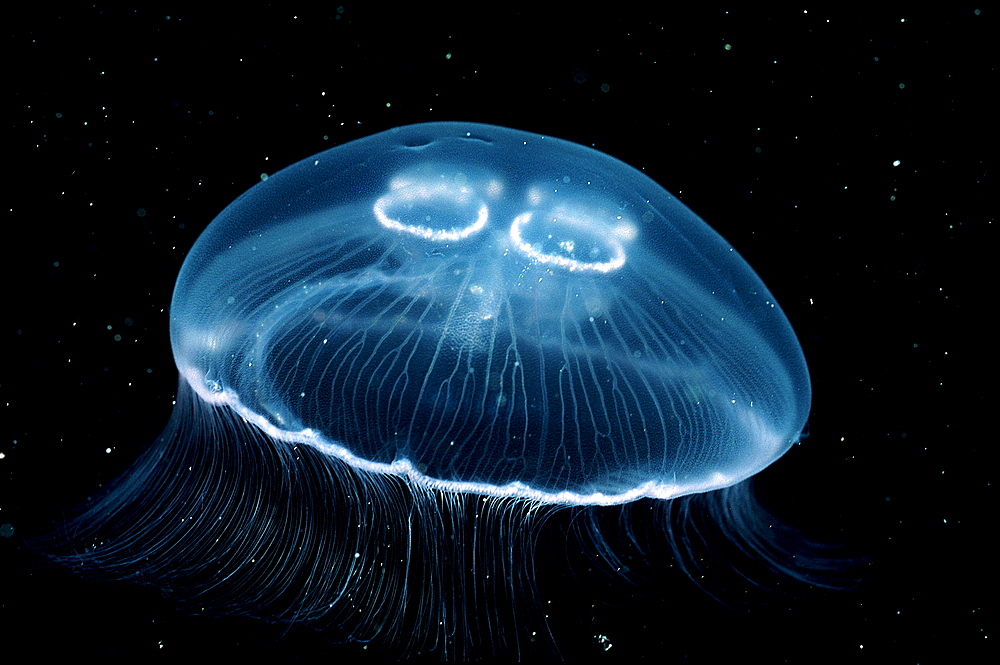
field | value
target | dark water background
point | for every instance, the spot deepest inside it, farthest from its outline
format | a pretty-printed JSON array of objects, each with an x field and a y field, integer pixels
[{"x": 849, "y": 157}]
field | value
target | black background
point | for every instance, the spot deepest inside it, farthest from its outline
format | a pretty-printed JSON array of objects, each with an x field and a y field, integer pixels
[{"x": 129, "y": 129}]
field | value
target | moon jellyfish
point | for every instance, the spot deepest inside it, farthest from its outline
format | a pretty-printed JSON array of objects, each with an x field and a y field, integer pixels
[{"x": 400, "y": 357}]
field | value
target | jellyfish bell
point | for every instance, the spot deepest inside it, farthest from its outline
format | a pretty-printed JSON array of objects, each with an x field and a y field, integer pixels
[
  {"x": 490, "y": 311},
  {"x": 400, "y": 356}
]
